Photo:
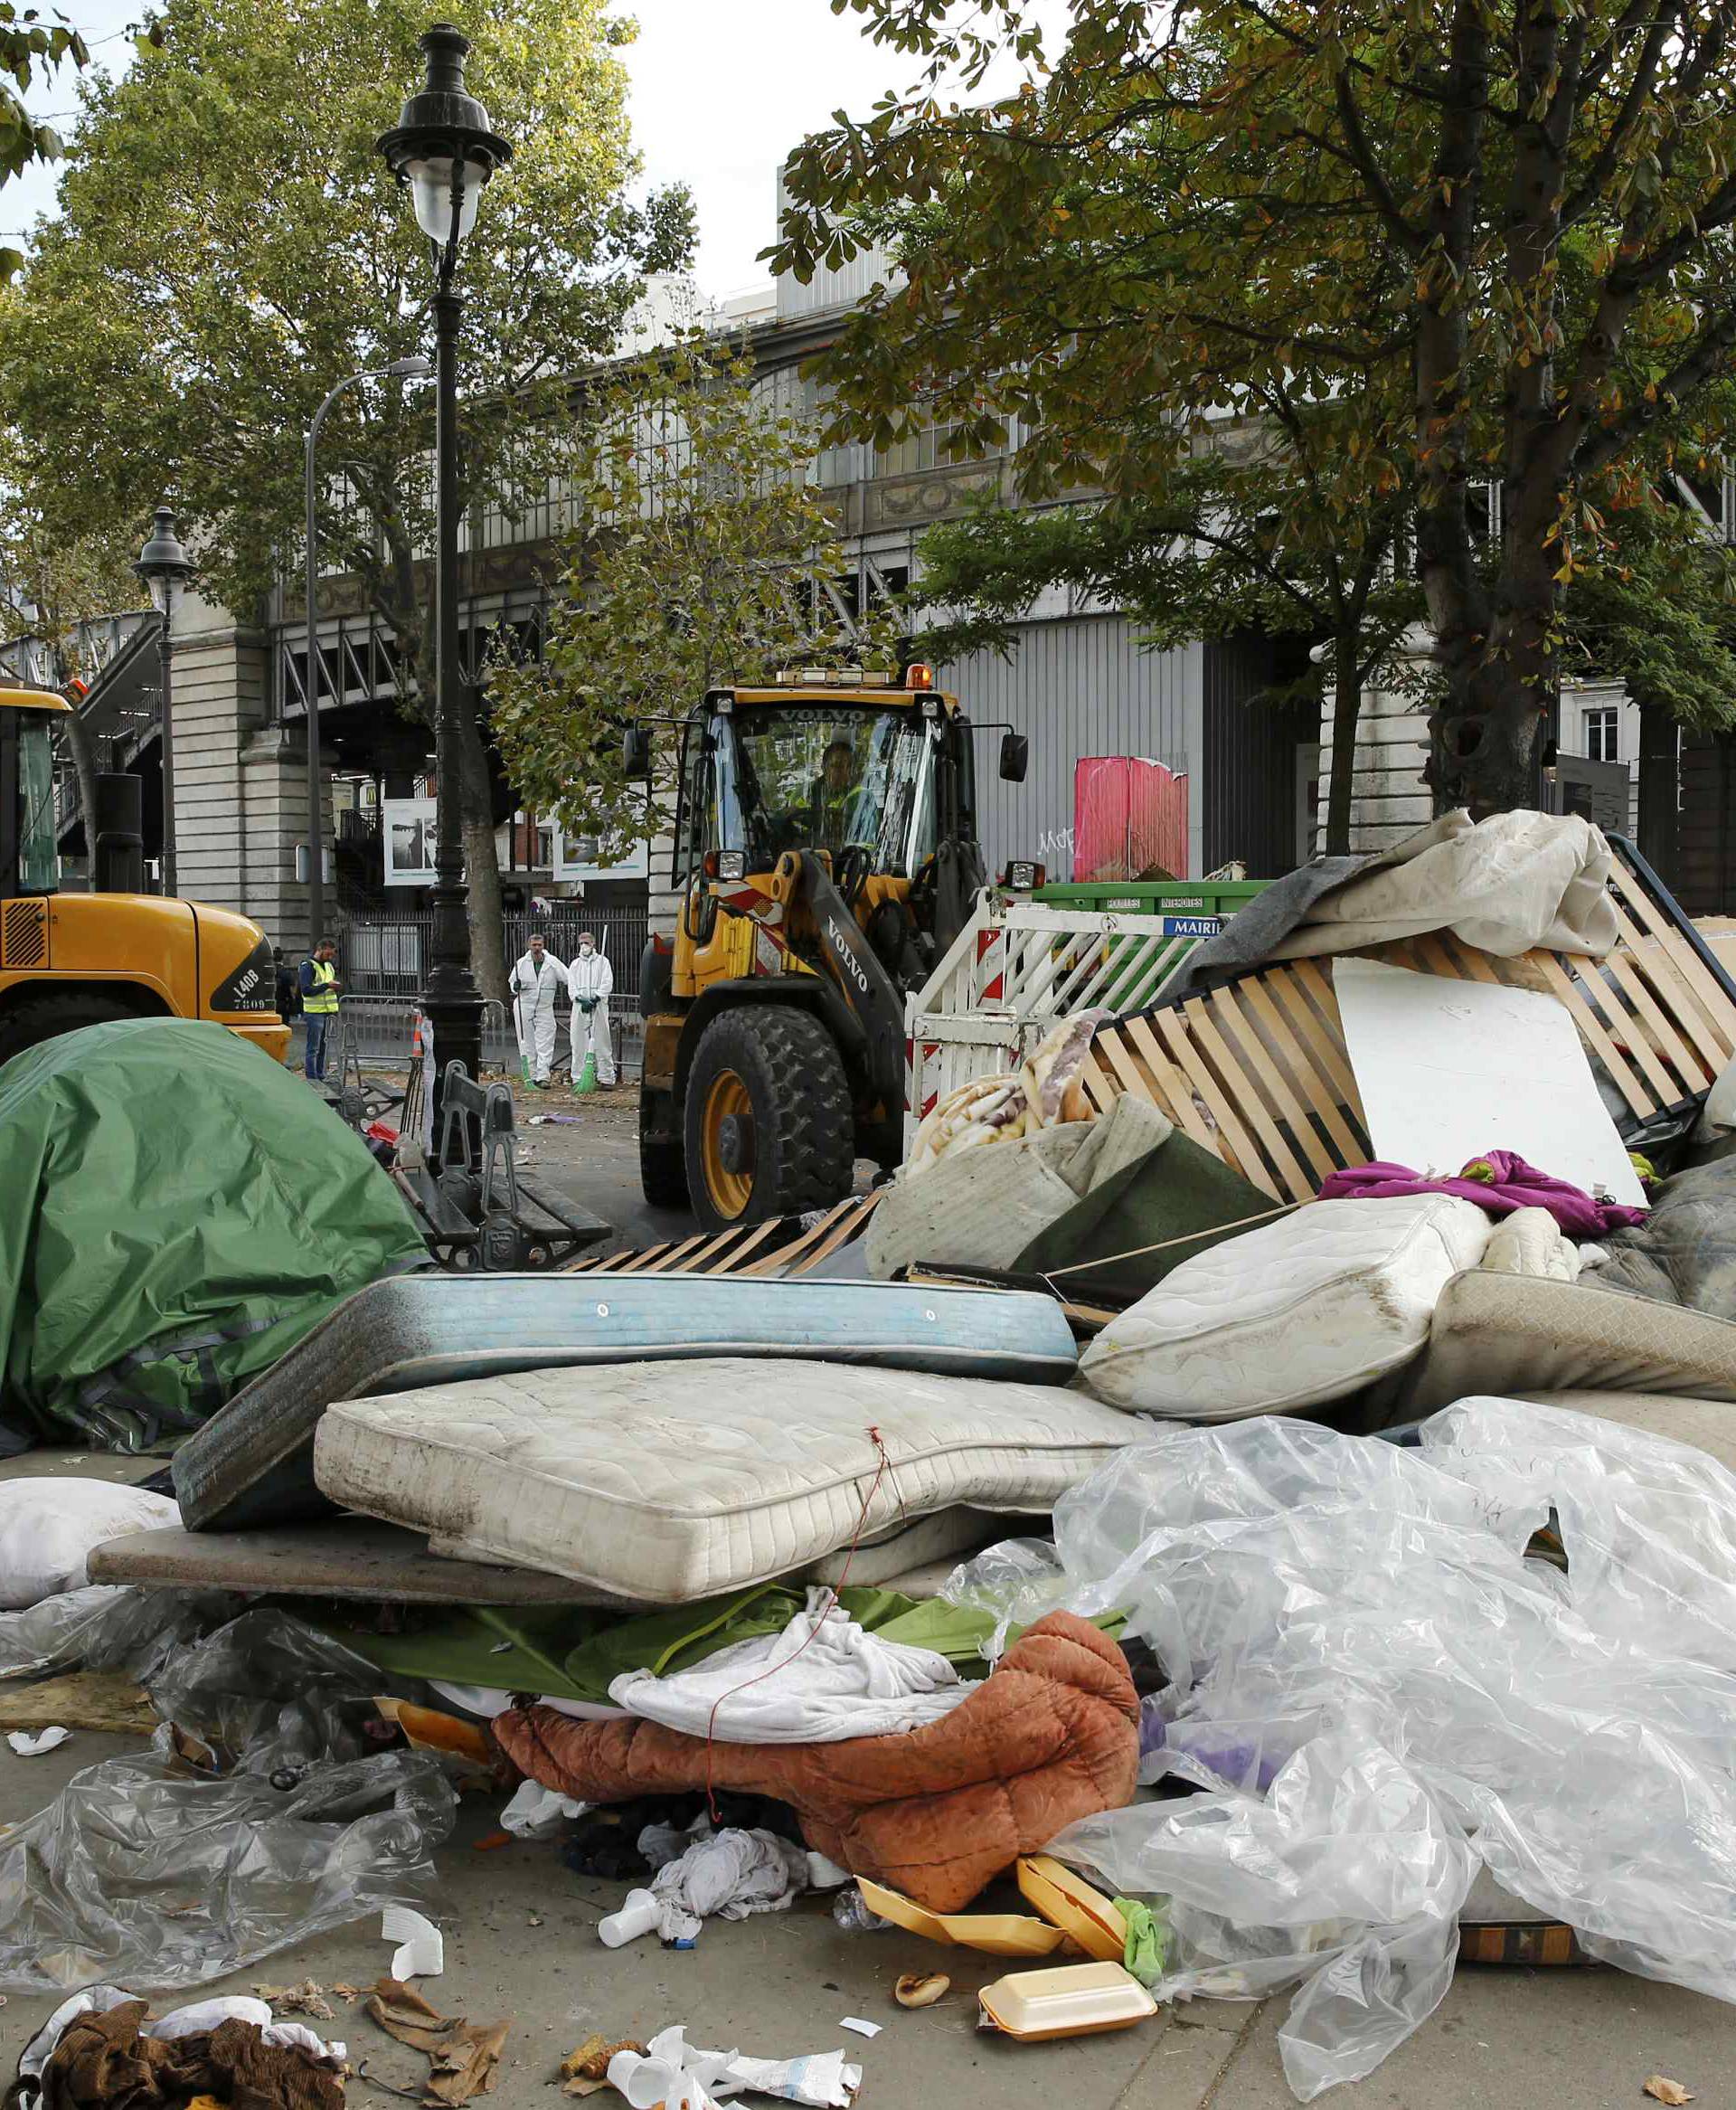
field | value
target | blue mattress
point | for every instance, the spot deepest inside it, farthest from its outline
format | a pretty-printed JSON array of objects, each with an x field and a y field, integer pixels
[{"x": 253, "y": 1463}]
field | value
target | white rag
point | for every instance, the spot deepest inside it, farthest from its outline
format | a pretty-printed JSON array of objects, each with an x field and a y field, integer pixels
[
  {"x": 823, "y": 1679},
  {"x": 732, "y": 1875}
]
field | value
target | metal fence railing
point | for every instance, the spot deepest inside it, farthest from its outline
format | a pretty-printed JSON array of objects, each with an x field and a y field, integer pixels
[
  {"x": 377, "y": 1030},
  {"x": 385, "y": 953}
]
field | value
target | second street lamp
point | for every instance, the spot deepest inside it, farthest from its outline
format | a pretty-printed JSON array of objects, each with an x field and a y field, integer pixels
[
  {"x": 165, "y": 567},
  {"x": 442, "y": 148}
]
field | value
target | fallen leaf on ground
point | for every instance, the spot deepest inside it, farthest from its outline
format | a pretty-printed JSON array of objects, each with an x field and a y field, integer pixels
[
  {"x": 1665, "y": 2090},
  {"x": 306, "y": 1999},
  {"x": 347, "y": 1991},
  {"x": 585, "y": 2071},
  {"x": 462, "y": 2056}
]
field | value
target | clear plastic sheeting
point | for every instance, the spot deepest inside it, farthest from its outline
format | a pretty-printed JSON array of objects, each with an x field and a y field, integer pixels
[
  {"x": 1378, "y": 1689},
  {"x": 279, "y": 1819},
  {"x": 1015, "y": 1583},
  {"x": 106, "y": 1629}
]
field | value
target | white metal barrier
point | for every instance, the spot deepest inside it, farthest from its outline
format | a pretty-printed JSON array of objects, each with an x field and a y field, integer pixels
[{"x": 1015, "y": 968}]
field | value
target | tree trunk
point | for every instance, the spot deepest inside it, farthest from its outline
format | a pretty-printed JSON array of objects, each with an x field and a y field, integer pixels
[
  {"x": 84, "y": 767},
  {"x": 1482, "y": 742},
  {"x": 481, "y": 860},
  {"x": 1346, "y": 710}
]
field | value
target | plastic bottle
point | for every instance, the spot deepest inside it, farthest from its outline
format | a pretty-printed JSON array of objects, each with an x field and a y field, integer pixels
[{"x": 853, "y": 1916}]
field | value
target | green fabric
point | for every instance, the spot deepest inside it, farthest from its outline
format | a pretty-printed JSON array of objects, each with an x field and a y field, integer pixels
[
  {"x": 1147, "y": 1951},
  {"x": 178, "y": 1211},
  {"x": 1177, "y": 1191},
  {"x": 575, "y": 1653}
]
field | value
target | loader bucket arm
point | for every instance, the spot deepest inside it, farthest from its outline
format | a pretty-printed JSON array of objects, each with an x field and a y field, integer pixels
[{"x": 853, "y": 964}]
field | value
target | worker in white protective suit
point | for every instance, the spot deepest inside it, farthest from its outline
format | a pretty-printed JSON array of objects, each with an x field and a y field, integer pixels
[
  {"x": 537, "y": 981},
  {"x": 590, "y": 981}
]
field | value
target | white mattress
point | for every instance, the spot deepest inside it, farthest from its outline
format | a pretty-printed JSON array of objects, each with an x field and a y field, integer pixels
[
  {"x": 665, "y": 1482},
  {"x": 1298, "y": 1313}
]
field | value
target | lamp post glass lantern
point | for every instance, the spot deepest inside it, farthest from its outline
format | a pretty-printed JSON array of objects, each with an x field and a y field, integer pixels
[
  {"x": 416, "y": 369},
  {"x": 444, "y": 152},
  {"x": 165, "y": 567}
]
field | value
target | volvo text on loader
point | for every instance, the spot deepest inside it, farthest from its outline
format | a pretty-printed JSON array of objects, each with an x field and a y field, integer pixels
[
  {"x": 72, "y": 960},
  {"x": 826, "y": 857}
]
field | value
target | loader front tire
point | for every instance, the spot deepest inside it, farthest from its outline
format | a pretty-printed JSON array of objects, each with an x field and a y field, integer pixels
[{"x": 769, "y": 1129}]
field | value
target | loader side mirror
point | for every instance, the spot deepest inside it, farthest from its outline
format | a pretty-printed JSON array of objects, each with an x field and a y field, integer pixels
[
  {"x": 636, "y": 751},
  {"x": 1015, "y": 757}
]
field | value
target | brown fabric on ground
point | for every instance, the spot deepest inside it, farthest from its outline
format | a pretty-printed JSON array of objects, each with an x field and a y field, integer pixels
[
  {"x": 104, "y": 1701},
  {"x": 103, "y": 2063},
  {"x": 937, "y": 1812},
  {"x": 462, "y": 2057}
]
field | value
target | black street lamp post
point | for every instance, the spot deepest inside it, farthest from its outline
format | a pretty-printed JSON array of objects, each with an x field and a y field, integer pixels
[
  {"x": 165, "y": 567},
  {"x": 443, "y": 149}
]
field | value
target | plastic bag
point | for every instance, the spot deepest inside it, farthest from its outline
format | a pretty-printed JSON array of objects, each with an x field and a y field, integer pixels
[
  {"x": 48, "y": 1525},
  {"x": 1015, "y": 1583},
  {"x": 1365, "y": 1667},
  {"x": 107, "y": 1628},
  {"x": 144, "y": 1872}
]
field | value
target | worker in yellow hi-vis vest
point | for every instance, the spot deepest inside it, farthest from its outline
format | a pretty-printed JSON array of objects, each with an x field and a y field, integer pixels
[{"x": 319, "y": 994}]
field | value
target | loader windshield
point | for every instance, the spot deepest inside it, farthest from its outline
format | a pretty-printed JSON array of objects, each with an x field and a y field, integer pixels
[
  {"x": 39, "y": 863},
  {"x": 830, "y": 777}
]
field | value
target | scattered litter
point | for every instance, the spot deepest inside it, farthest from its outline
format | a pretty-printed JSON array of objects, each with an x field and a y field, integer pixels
[
  {"x": 462, "y": 2056},
  {"x": 423, "y": 1951},
  {"x": 306, "y": 1999},
  {"x": 347, "y": 1991},
  {"x": 102, "y": 2047},
  {"x": 918, "y": 1989},
  {"x": 680, "y": 2076},
  {"x": 638, "y": 1915},
  {"x": 492, "y": 1842},
  {"x": 585, "y": 2071},
  {"x": 33, "y": 1746},
  {"x": 1661, "y": 2089},
  {"x": 861, "y": 2027},
  {"x": 1068, "y": 2000},
  {"x": 732, "y": 1875},
  {"x": 997, "y": 1933},
  {"x": 535, "y": 1811}
]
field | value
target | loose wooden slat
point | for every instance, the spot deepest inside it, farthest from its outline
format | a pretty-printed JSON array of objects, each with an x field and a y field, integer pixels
[
  {"x": 1701, "y": 984},
  {"x": 851, "y": 1226},
  {"x": 1629, "y": 970},
  {"x": 1622, "y": 1022},
  {"x": 1308, "y": 982},
  {"x": 1248, "y": 1100},
  {"x": 1654, "y": 959},
  {"x": 747, "y": 1242},
  {"x": 1234, "y": 1145},
  {"x": 1309, "y": 1081},
  {"x": 1239, "y": 1024},
  {"x": 1136, "y": 1077},
  {"x": 672, "y": 1259},
  {"x": 1098, "y": 1088},
  {"x": 1173, "y": 1085},
  {"x": 1591, "y": 1029}
]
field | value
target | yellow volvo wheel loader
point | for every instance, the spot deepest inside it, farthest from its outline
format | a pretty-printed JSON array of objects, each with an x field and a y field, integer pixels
[
  {"x": 827, "y": 857},
  {"x": 72, "y": 960}
]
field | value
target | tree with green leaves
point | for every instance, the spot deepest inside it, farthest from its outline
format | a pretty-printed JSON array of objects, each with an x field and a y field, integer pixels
[
  {"x": 53, "y": 589},
  {"x": 231, "y": 246},
  {"x": 701, "y": 555},
  {"x": 30, "y": 47},
  {"x": 1502, "y": 227}
]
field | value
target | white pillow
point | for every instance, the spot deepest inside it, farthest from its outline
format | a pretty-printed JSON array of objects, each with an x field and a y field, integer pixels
[
  {"x": 1298, "y": 1313},
  {"x": 48, "y": 1528}
]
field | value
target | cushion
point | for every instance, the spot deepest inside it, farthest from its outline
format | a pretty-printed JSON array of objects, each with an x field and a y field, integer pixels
[
  {"x": 1294, "y": 1314},
  {"x": 1505, "y": 1333},
  {"x": 667, "y": 1481}
]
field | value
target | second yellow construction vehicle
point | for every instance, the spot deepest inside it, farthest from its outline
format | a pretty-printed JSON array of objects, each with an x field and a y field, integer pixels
[{"x": 827, "y": 857}]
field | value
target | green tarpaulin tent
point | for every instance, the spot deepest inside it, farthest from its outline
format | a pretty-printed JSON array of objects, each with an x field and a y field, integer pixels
[{"x": 176, "y": 1211}]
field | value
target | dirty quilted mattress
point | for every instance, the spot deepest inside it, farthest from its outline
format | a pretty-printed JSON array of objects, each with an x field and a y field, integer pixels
[{"x": 663, "y": 1482}]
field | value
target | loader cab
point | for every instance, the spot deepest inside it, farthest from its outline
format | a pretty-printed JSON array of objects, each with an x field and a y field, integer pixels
[{"x": 29, "y": 859}]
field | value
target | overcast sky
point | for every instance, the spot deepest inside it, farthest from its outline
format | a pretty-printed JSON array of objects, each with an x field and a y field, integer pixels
[{"x": 720, "y": 95}]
